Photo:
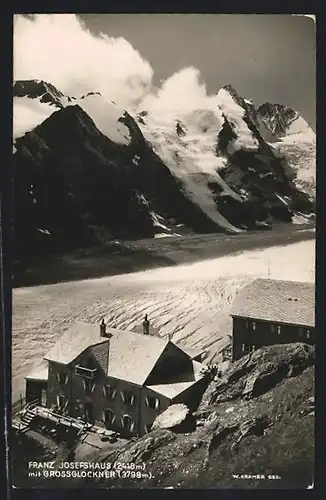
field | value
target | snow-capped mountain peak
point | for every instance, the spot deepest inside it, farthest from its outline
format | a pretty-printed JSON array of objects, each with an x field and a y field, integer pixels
[
  {"x": 36, "y": 100},
  {"x": 39, "y": 89}
]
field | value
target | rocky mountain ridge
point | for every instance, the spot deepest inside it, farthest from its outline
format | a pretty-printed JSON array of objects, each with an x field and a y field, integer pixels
[{"x": 110, "y": 175}]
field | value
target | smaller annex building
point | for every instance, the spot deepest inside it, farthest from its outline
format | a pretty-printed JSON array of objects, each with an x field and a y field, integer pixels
[{"x": 268, "y": 312}]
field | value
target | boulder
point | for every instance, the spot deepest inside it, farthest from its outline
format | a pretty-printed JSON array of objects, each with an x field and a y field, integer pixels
[{"x": 173, "y": 416}]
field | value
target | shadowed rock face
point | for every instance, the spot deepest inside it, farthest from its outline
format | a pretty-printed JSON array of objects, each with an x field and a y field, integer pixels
[
  {"x": 260, "y": 371},
  {"x": 265, "y": 177},
  {"x": 34, "y": 89},
  {"x": 72, "y": 182},
  {"x": 277, "y": 117}
]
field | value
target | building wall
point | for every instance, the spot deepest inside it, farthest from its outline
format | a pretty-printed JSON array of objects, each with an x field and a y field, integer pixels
[
  {"x": 56, "y": 388},
  {"x": 173, "y": 365},
  {"x": 148, "y": 414},
  {"x": 193, "y": 396},
  {"x": 251, "y": 334},
  {"x": 100, "y": 353},
  {"x": 34, "y": 390},
  {"x": 118, "y": 404}
]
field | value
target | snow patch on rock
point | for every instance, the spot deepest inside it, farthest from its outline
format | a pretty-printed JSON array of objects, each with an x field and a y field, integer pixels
[
  {"x": 191, "y": 157},
  {"x": 106, "y": 117},
  {"x": 235, "y": 115}
]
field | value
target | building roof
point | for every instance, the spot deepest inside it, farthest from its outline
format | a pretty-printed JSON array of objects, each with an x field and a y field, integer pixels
[
  {"x": 74, "y": 341},
  {"x": 132, "y": 356},
  {"x": 39, "y": 372},
  {"x": 173, "y": 390},
  {"x": 191, "y": 351},
  {"x": 278, "y": 301}
]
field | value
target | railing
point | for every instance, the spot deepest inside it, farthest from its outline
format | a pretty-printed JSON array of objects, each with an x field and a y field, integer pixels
[
  {"x": 46, "y": 412},
  {"x": 31, "y": 405}
]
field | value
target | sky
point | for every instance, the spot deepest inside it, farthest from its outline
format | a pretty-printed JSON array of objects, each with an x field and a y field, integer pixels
[{"x": 177, "y": 57}]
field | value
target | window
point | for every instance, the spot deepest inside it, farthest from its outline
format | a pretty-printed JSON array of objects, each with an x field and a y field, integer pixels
[
  {"x": 308, "y": 334},
  {"x": 278, "y": 330},
  {"x": 109, "y": 416},
  {"x": 109, "y": 391},
  {"x": 272, "y": 327},
  {"x": 88, "y": 385},
  {"x": 246, "y": 324},
  {"x": 62, "y": 403},
  {"x": 152, "y": 402},
  {"x": 253, "y": 348},
  {"x": 128, "y": 398},
  {"x": 127, "y": 423},
  {"x": 62, "y": 378},
  {"x": 243, "y": 347},
  {"x": 254, "y": 325}
]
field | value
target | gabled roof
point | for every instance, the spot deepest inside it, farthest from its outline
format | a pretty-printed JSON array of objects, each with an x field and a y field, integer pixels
[
  {"x": 132, "y": 356},
  {"x": 278, "y": 301},
  {"x": 192, "y": 352},
  {"x": 39, "y": 372},
  {"x": 74, "y": 341}
]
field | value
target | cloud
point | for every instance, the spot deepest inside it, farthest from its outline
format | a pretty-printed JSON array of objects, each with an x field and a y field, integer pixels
[
  {"x": 28, "y": 113},
  {"x": 181, "y": 92},
  {"x": 59, "y": 49}
]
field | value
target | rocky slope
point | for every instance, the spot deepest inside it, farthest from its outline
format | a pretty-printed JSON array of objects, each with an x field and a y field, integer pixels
[
  {"x": 257, "y": 420},
  {"x": 87, "y": 171}
]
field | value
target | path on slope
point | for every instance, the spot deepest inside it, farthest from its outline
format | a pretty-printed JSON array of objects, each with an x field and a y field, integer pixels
[{"x": 192, "y": 301}]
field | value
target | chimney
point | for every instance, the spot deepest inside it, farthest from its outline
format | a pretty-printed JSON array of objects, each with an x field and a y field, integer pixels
[
  {"x": 103, "y": 329},
  {"x": 146, "y": 326},
  {"x": 104, "y": 360}
]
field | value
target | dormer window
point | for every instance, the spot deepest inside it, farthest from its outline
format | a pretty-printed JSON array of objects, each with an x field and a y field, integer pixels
[{"x": 84, "y": 372}]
